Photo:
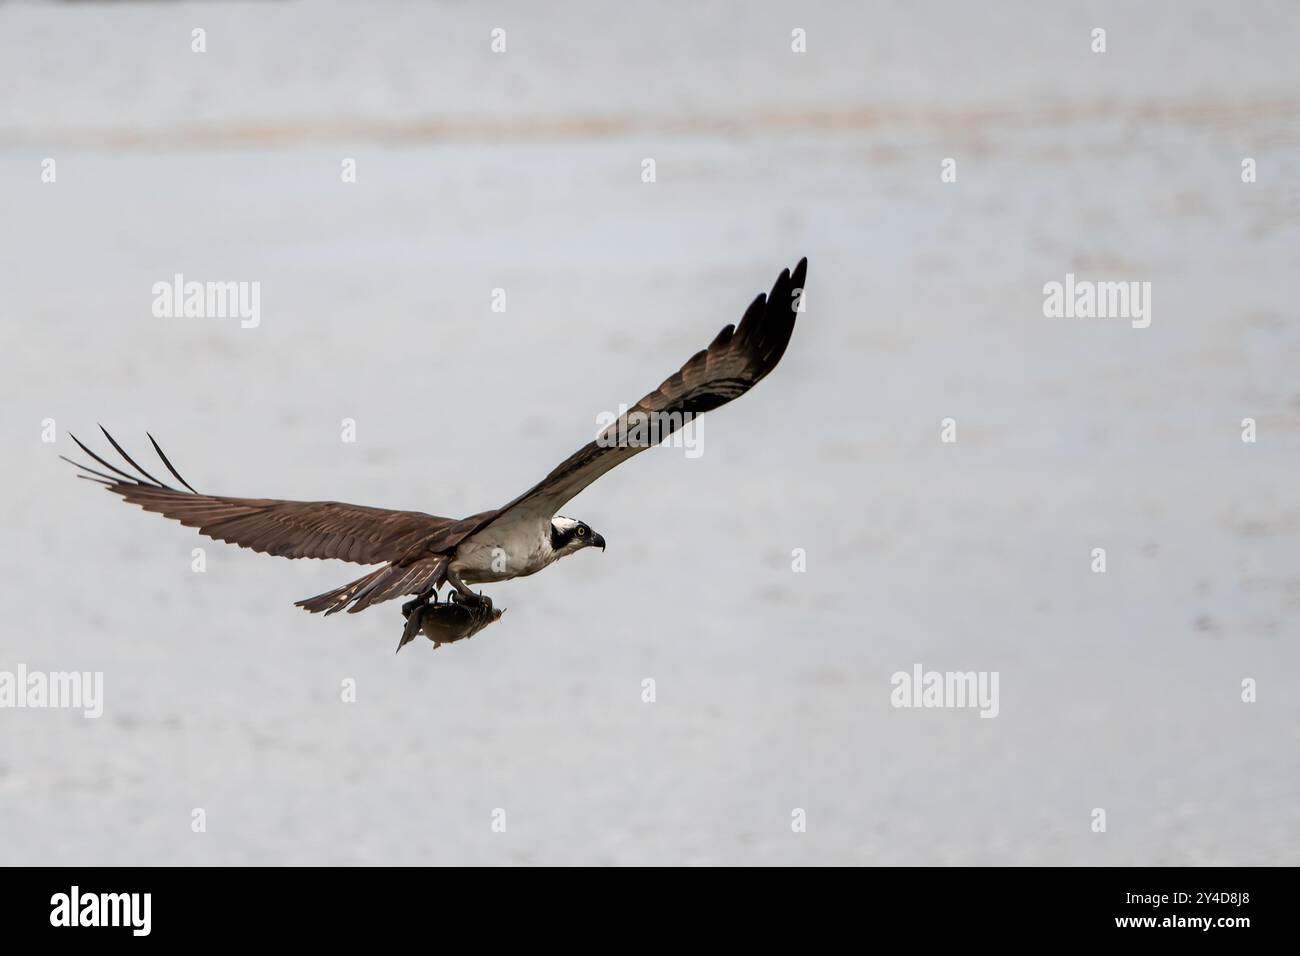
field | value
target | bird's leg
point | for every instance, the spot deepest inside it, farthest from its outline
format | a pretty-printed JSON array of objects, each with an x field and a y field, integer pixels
[
  {"x": 464, "y": 593},
  {"x": 462, "y": 589}
]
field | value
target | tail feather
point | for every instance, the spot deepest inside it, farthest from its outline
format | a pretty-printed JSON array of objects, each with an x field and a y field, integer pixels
[
  {"x": 340, "y": 597},
  {"x": 382, "y": 584},
  {"x": 411, "y": 579}
]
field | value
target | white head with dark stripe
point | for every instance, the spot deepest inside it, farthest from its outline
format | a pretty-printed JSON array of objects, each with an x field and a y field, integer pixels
[{"x": 569, "y": 535}]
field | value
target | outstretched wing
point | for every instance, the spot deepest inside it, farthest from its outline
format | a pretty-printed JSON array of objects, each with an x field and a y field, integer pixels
[
  {"x": 289, "y": 529},
  {"x": 733, "y": 363}
]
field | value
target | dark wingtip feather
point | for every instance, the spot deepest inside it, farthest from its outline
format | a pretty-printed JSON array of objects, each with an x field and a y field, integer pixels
[
  {"x": 800, "y": 274},
  {"x": 782, "y": 282},
  {"x": 771, "y": 335},
  {"x": 753, "y": 315},
  {"x": 117, "y": 471},
  {"x": 175, "y": 474},
  {"x": 106, "y": 479},
  {"x": 722, "y": 337},
  {"x": 77, "y": 464},
  {"x": 129, "y": 460}
]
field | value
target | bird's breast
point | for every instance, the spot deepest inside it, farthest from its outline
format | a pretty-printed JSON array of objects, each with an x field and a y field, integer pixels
[{"x": 483, "y": 558}]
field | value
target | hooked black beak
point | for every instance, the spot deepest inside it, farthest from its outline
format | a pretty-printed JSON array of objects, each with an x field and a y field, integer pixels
[{"x": 597, "y": 540}]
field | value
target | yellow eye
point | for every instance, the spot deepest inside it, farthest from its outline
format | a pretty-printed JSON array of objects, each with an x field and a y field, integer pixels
[{"x": 582, "y": 532}]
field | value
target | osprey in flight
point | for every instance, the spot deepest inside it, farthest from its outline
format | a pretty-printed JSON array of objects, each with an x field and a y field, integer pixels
[{"x": 418, "y": 552}]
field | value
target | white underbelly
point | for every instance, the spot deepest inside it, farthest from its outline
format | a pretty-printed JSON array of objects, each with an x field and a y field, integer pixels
[{"x": 479, "y": 562}]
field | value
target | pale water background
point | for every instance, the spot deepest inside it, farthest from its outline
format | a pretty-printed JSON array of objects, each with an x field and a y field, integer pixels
[{"x": 522, "y": 171}]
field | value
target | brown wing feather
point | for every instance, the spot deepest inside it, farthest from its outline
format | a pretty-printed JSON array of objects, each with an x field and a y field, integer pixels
[
  {"x": 289, "y": 529},
  {"x": 737, "y": 359},
  {"x": 294, "y": 529}
]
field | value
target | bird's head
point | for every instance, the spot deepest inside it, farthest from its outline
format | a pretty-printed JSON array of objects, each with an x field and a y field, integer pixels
[{"x": 569, "y": 535}]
